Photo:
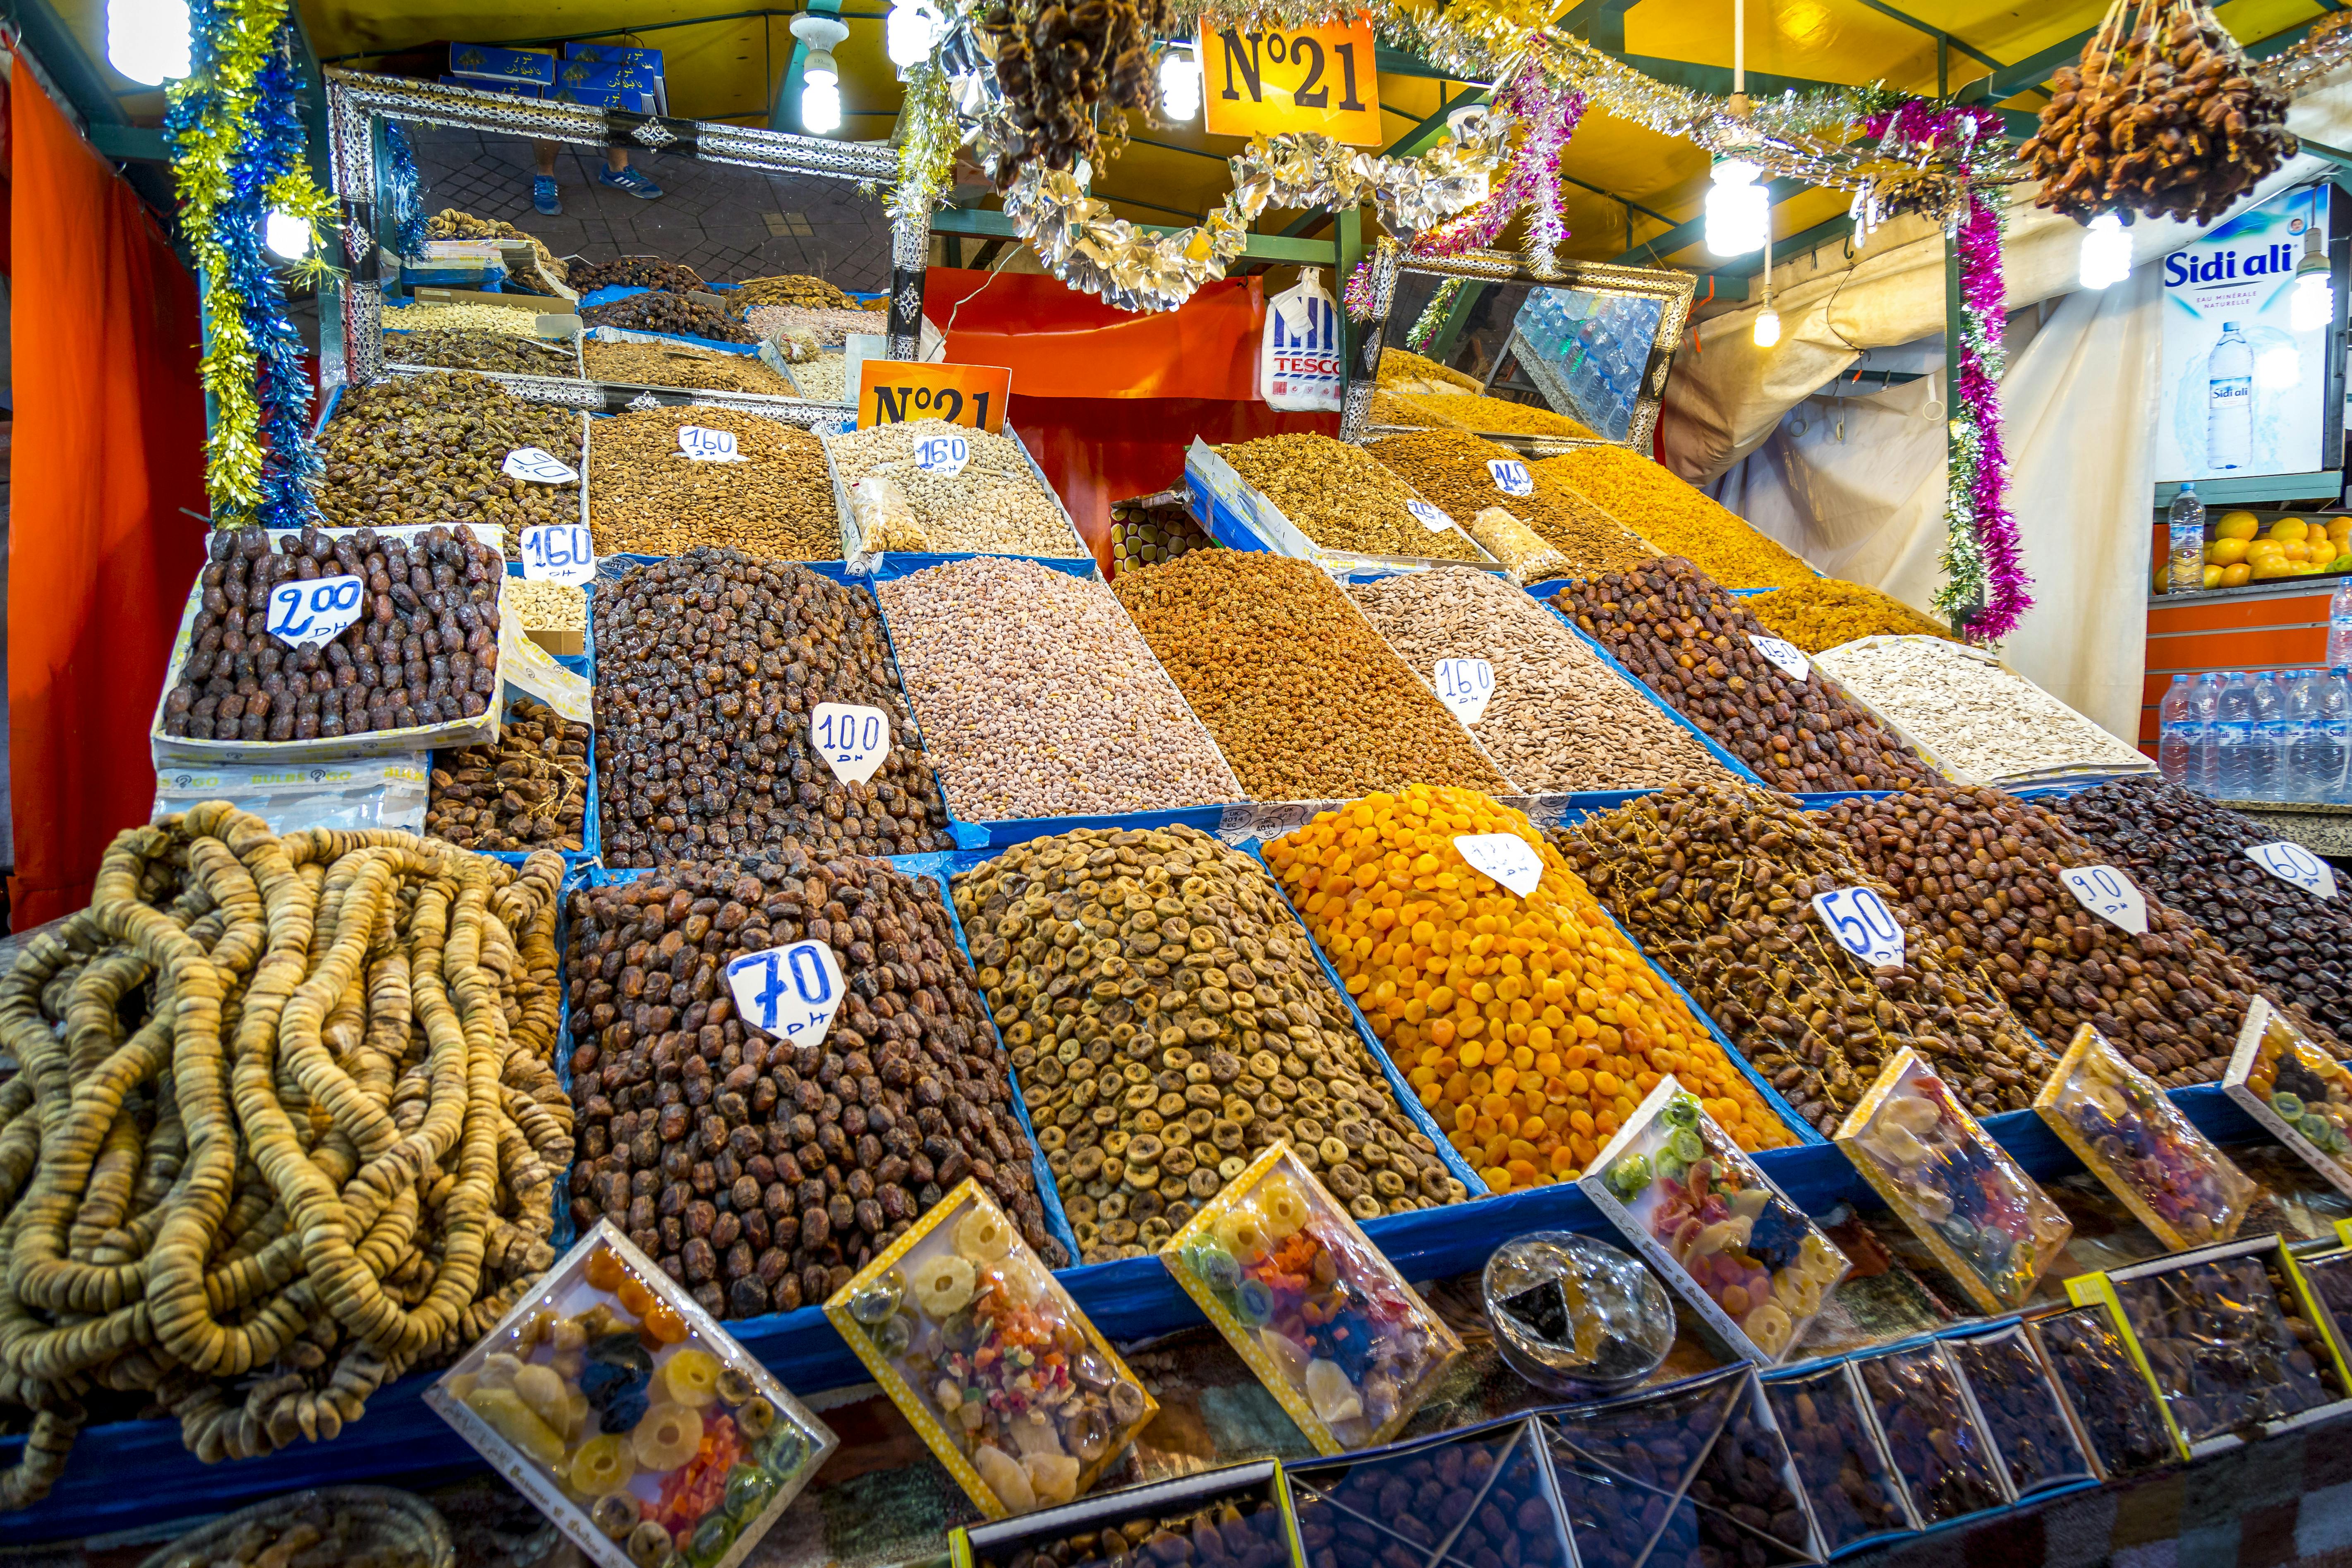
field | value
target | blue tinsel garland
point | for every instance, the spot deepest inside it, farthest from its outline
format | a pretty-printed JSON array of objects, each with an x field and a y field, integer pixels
[{"x": 403, "y": 189}]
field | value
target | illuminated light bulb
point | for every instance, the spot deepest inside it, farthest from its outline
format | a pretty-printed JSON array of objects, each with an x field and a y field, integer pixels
[
  {"x": 1180, "y": 83},
  {"x": 1768, "y": 327},
  {"x": 2312, "y": 304},
  {"x": 148, "y": 40},
  {"x": 820, "y": 75},
  {"x": 2278, "y": 368},
  {"x": 821, "y": 104},
  {"x": 909, "y": 33},
  {"x": 285, "y": 236},
  {"x": 2106, "y": 252},
  {"x": 1738, "y": 210}
]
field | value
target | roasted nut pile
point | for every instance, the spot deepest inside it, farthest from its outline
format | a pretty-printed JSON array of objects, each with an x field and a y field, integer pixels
[
  {"x": 1038, "y": 698},
  {"x": 1449, "y": 469},
  {"x": 479, "y": 348},
  {"x": 1246, "y": 1533},
  {"x": 637, "y": 272},
  {"x": 2191, "y": 853},
  {"x": 995, "y": 506},
  {"x": 659, "y": 311},
  {"x": 424, "y": 651},
  {"x": 462, "y": 318},
  {"x": 1973, "y": 715},
  {"x": 710, "y": 667},
  {"x": 530, "y": 791},
  {"x": 546, "y": 607},
  {"x": 1828, "y": 611},
  {"x": 1530, "y": 1027},
  {"x": 1978, "y": 871},
  {"x": 1338, "y": 497},
  {"x": 2023, "y": 1413},
  {"x": 791, "y": 288},
  {"x": 1560, "y": 719},
  {"x": 1169, "y": 1021},
  {"x": 1300, "y": 693},
  {"x": 762, "y": 1175},
  {"x": 1144, "y": 535},
  {"x": 1717, "y": 883},
  {"x": 822, "y": 379},
  {"x": 1677, "y": 518},
  {"x": 2228, "y": 1344},
  {"x": 2106, "y": 1391},
  {"x": 433, "y": 449},
  {"x": 831, "y": 328},
  {"x": 645, "y": 497},
  {"x": 1937, "y": 1447},
  {"x": 681, "y": 365},
  {"x": 1843, "y": 1471},
  {"x": 1689, "y": 641}
]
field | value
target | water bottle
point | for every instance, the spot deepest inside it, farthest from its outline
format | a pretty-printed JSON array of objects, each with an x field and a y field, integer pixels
[
  {"x": 2204, "y": 735},
  {"x": 2175, "y": 731},
  {"x": 2328, "y": 781},
  {"x": 2266, "y": 769},
  {"x": 2229, "y": 406},
  {"x": 2234, "y": 733},
  {"x": 2339, "y": 625},
  {"x": 2186, "y": 518},
  {"x": 2307, "y": 742}
]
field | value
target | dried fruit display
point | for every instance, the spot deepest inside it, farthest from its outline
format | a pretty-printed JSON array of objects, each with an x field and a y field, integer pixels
[
  {"x": 1677, "y": 517},
  {"x": 646, "y": 497},
  {"x": 2024, "y": 1414},
  {"x": 1932, "y": 1434},
  {"x": 995, "y": 504},
  {"x": 1064, "y": 69},
  {"x": 2131, "y": 1136},
  {"x": 1401, "y": 1507},
  {"x": 1820, "y": 614},
  {"x": 1449, "y": 469},
  {"x": 1746, "y": 1490},
  {"x": 2106, "y": 1390},
  {"x": 2227, "y": 1341},
  {"x": 656, "y": 311},
  {"x": 480, "y": 348},
  {"x": 1852, "y": 1489},
  {"x": 761, "y": 1173},
  {"x": 451, "y": 223},
  {"x": 424, "y": 450},
  {"x": 411, "y": 988},
  {"x": 527, "y": 790},
  {"x": 790, "y": 289},
  {"x": 683, "y": 366},
  {"x": 1248, "y": 1531},
  {"x": 1341, "y": 499},
  {"x": 425, "y": 650},
  {"x": 637, "y": 272},
  {"x": 1144, "y": 532},
  {"x": 1977, "y": 719},
  {"x": 710, "y": 668}
]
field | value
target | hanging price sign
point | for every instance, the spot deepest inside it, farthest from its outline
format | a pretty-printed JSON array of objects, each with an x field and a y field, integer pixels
[
  {"x": 707, "y": 445},
  {"x": 1511, "y": 475},
  {"x": 1269, "y": 80},
  {"x": 1467, "y": 686},
  {"x": 1786, "y": 656},
  {"x": 558, "y": 552},
  {"x": 852, "y": 740},
  {"x": 894, "y": 392},
  {"x": 791, "y": 993},
  {"x": 2108, "y": 894},
  {"x": 1862, "y": 923},
  {"x": 540, "y": 467},
  {"x": 2291, "y": 862},
  {"x": 1506, "y": 856},
  {"x": 942, "y": 455},
  {"x": 315, "y": 611},
  {"x": 1428, "y": 516}
]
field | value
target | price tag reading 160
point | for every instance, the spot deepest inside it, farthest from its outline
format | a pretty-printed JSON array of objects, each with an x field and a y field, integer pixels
[
  {"x": 791, "y": 993},
  {"x": 558, "y": 552},
  {"x": 1467, "y": 686},
  {"x": 854, "y": 741},
  {"x": 315, "y": 611},
  {"x": 1863, "y": 924},
  {"x": 942, "y": 455}
]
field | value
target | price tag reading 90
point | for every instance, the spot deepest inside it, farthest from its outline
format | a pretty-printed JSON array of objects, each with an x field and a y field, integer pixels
[
  {"x": 854, "y": 741},
  {"x": 791, "y": 993},
  {"x": 539, "y": 466},
  {"x": 1863, "y": 924},
  {"x": 2108, "y": 894},
  {"x": 315, "y": 611},
  {"x": 558, "y": 552}
]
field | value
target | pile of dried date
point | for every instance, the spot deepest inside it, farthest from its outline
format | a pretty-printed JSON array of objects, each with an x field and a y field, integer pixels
[
  {"x": 636, "y": 272},
  {"x": 527, "y": 791},
  {"x": 424, "y": 650},
  {"x": 762, "y": 1173},
  {"x": 658, "y": 311}
]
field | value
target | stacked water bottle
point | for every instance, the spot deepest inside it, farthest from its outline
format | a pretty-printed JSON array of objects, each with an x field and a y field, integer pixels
[{"x": 2266, "y": 734}]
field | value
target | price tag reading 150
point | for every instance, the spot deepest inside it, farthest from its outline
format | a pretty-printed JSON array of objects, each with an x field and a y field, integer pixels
[
  {"x": 315, "y": 611},
  {"x": 1863, "y": 924},
  {"x": 791, "y": 993},
  {"x": 942, "y": 455},
  {"x": 558, "y": 552},
  {"x": 852, "y": 741}
]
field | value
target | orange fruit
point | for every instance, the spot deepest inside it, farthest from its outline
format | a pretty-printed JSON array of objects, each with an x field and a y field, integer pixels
[
  {"x": 2235, "y": 576},
  {"x": 2226, "y": 551}
]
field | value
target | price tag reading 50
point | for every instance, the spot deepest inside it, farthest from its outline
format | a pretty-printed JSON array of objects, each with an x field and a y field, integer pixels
[
  {"x": 2291, "y": 862},
  {"x": 852, "y": 740},
  {"x": 1511, "y": 475},
  {"x": 942, "y": 455},
  {"x": 558, "y": 552},
  {"x": 1467, "y": 686},
  {"x": 791, "y": 993},
  {"x": 315, "y": 611},
  {"x": 2108, "y": 894},
  {"x": 1863, "y": 924}
]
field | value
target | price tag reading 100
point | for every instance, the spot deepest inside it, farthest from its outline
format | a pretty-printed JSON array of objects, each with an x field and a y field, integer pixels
[
  {"x": 791, "y": 993},
  {"x": 853, "y": 740}
]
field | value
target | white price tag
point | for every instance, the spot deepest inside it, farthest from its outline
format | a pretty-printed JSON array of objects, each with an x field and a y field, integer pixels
[
  {"x": 1467, "y": 686},
  {"x": 541, "y": 468},
  {"x": 2291, "y": 862},
  {"x": 1788, "y": 655},
  {"x": 1863, "y": 924},
  {"x": 1511, "y": 475},
  {"x": 2108, "y": 894},
  {"x": 1428, "y": 516},
  {"x": 852, "y": 741},
  {"x": 792, "y": 993},
  {"x": 1506, "y": 856},
  {"x": 315, "y": 611},
  {"x": 942, "y": 455},
  {"x": 558, "y": 552},
  {"x": 707, "y": 445}
]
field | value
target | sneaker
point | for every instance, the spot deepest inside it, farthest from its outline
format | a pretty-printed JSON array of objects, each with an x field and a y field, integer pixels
[
  {"x": 629, "y": 180},
  {"x": 543, "y": 197}
]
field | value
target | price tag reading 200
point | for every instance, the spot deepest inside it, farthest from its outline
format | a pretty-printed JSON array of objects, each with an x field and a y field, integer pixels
[
  {"x": 1863, "y": 924},
  {"x": 315, "y": 611},
  {"x": 558, "y": 552},
  {"x": 854, "y": 741},
  {"x": 791, "y": 993}
]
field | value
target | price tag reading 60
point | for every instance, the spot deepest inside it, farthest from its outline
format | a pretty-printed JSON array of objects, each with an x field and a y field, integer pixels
[
  {"x": 2291, "y": 862},
  {"x": 854, "y": 741},
  {"x": 558, "y": 552},
  {"x": 791, "y": 993},
  {"x": 315, "y": 611},
  {"x": 1863, "y": 924}
]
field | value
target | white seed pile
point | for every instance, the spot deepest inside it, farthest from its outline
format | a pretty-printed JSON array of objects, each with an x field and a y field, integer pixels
[
  {"x": 1976, "y": 717},
  {"x": 1560, "y": 719},
  {"x": 546, "y": 607},
  {"x": 822, "y": 379},
  {"x": 994, "y": 506},
  {"x": 1038, "y": 698},
  {"x": 452, "y": 318},
  {"x": 831, "y": 326}
]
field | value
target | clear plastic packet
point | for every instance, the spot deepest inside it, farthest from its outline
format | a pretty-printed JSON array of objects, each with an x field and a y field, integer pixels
[
  {"x": 1706, "y": 1216},
  {"x": 1849, "y": 1484},
  {"x": 629, "y": 1417},
  {"x": 1748, "y": 1491},
  {"x": 2112, "y": 1399},
  {"x": 885, "y": 518},
  {"x": 2024, "y": 1414},
  {"x": 1657, "y": 1437},
  {"x": 348, "y": 796},
  {"x": 1522, "y": 551},
  {"x": 988, "y": 1358},
  {"x": 2296, "y": 1089},
  {"x": 1491, "y": 1490},
  {"x": 2135, "y": 1141},
  {"x": 1245, "y": 1507},
  {"x": 1932, "y": 1433},
  {"x": 2330, "y": 1278},
  {"x": 1987, "y": 1222},
  {"x": 1616, "y": 1521},
  {"x": 1324, "y": 1321}
]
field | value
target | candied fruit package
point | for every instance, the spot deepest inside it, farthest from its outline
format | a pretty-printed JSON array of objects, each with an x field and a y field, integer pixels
[
  {"x": 1706, "y": 1217},
  {"x": 1987, "y": 1222},
  {"x": 1933, "y": 1434},
  {"x": 2130, "y": 1135},
  {"x": 1459, "y": 1499},
  {"x": 986, "y": 1355},
  {"x": 1324, "y": 1321},
  {"x": 2108, "y": 1390},
  {"x": 2296, "y": 1089},
  {"x": 1235, "y": 1517},
  {"x": 629, "y": 1417},
  {"x": 2033, "y": 1437}
]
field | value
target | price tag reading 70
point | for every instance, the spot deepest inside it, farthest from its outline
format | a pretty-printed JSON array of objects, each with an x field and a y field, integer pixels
[
  {"x": 894, "y": 392},
  {"x": 315, "y": 611},
  {"x": 791, "y": 993},
  {"x": 1863, "y": 924}
]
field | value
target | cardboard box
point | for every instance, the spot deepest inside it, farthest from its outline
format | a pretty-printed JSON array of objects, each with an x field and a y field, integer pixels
[{"x": 489, "y": 64}]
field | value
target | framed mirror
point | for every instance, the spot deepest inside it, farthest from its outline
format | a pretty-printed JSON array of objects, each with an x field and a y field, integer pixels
[
  {"x": 1480, "y": 343},
  {"x": 800, "y": 263}
]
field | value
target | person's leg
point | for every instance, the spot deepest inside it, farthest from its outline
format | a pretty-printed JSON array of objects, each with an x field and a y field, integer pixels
[
  {"x": 621, "y": 177},
  {"x": 543, "y": 197}
]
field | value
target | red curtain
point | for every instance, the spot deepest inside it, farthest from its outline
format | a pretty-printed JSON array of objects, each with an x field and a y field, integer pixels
[{"x": 108, "y": 448}]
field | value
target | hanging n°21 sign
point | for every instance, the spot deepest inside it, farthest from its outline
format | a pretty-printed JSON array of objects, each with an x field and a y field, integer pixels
[{"x": 1270, "y": 79}]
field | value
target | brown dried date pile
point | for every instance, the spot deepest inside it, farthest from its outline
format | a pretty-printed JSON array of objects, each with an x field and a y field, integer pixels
[
  {"x": 424, "y": 651},
  {"x": 762, "y": 1173},
  {"x": 528, "y": 790},
  {"x": 709, "y": 667},
  {"x": 1717, "y": 883},
  {"x": 433, "y": 449},
  {"x": 636, "y": 272},
  {"x": 1979, "y": 871},
  {"x": 656, "y": 311},
  {"x": 1687, "y": 639}
]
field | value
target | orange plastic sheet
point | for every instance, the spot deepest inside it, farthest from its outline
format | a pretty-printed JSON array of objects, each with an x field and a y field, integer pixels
[{"x": 108, "y": 446}]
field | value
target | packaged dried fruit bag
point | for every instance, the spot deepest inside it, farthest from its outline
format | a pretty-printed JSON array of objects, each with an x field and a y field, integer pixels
[
  {"x": 1987, "y": 1222},
  {"x": 2303, "y": 1095},
  {"x": 2134, "y": 1139},
  {"x": 986, "y": 1355},
  {"x": 629, "y": 1417},
  {"x": 2107, "y": 1389},
  {"x": 1324, "y": 1321},
  {"x": 2024, "y": 1414},
  {"x": 1709, "y": 1219}
]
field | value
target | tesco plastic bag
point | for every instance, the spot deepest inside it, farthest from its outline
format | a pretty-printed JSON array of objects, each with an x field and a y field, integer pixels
[{"x": 1299, "y": 353}]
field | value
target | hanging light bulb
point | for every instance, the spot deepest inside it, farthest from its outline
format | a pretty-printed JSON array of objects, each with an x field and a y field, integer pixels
[
  {"x": 821, "y": 105},
  {"x": 2312, "y": 306},
  {"x": 1768, "y": 327},
  {"x": 909, "y": 33},
  {"x": 286, "y": 237},
  {"x": 1738, "y": 208},
  {"x": 820, "y": 75},
  {"x": 2106, "y": 252},
  {"x": 1180, "y": 82},
  {"x": 147, "y": 40}
]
